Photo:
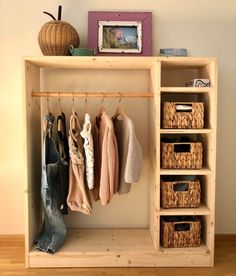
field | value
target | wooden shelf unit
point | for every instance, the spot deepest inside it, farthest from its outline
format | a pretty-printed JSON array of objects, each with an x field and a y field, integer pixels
[{"x": 125, "y": 247}]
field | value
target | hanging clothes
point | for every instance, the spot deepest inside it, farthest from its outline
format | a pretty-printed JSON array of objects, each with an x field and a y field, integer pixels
[
  {"x": 63, "y": 177},
  {"x": 130, "y": 153},
  {"x": 89, "y": 152},
  {"x": 53, "y": 231},
  {"x": 78, "y": 198},
  {"x": 106, "y": 159}
]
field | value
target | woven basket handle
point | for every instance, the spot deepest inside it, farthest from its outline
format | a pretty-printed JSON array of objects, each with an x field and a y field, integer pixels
[
  {"x": 181, "y": 183},
  {"x": 185, "y": 228},
  {"x": 181, "y": 143},
  {"x": 178, "y": 146},
  {"x": 182, "y": 222},
  {"x": 189, "y": 110}
]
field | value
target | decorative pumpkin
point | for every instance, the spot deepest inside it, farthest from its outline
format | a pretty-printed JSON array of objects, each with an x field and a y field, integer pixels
[{"x": 56, "y": 36}]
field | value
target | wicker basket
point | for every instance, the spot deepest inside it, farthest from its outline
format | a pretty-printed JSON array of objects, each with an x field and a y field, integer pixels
[
  {"x": 180, "y": 232},
  {"x": 180, "y": 194},
  {"x": 55, "y": 38},
  {"x": 182, "y": 155},
  {"x": 175, "y": 117}
]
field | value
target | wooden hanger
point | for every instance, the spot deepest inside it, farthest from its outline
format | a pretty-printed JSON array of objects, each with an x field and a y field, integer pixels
[
  {"x": 86, "y": 103},
  {"x": 102, "y": 108},
  {"x": 59, "y": 122},
  {"x": 59, "y": 125},
  {"x": 119, "y": 110},
  {"x": 73, "y": 122},
  {"x": 45, "y": 123}
]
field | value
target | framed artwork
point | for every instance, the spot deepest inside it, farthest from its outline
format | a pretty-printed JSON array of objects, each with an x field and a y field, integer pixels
[{"x": 120, "y": 33}]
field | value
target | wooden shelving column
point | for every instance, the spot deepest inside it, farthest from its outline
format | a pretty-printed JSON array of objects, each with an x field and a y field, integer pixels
[
  {"x": 173, "y": 72},
  {"x": 126, "y": 247}
]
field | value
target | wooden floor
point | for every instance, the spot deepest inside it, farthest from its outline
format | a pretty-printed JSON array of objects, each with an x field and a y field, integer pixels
[{"x": 12, "y": 262}]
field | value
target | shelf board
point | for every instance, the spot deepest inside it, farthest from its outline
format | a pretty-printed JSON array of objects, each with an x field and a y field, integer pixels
[
  {"x": 185, "y": 131},
  {"x": 203, "y": 171},
  {"x": 104, "y": 240},
  {"x": 186, "y": 90},
  {"x": 201, "y": 211},
  {"x": 185, "y": 62},
  {"x": 116, "y": 248},
  {"x": 202, "y": 249},
  {"x": 95, "y": 62}
]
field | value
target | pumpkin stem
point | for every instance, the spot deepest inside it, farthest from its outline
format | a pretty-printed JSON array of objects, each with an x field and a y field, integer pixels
[
  {"x": 59, "y": 12},
  {"x": 50, "y": 15}
]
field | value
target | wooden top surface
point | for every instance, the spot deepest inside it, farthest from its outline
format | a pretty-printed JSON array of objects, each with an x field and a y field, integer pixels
[{"x": 124, "y": 62}]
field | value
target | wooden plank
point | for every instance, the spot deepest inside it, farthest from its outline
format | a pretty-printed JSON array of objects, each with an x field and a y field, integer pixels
[
  {"x": 213, "y": 97},
  {"x": 109, "y": 240},
  {"x": 116, "y": 248},
  {"x": 154, "y": 157},
  {"x": 186, "y": 250},
  {"x": 126, "y": 259},
  {"x": 186, "y": 90},
  {"x": 200, "y": 211},
  {"x": 186, "y": 131},
  {"x": 67, "y": 62},
  {"x": 185, "y": 62},
  {"x": 203, "y": 171},
  {"x": 32, "y": 154},
  {"x": 153, "y": 197}
]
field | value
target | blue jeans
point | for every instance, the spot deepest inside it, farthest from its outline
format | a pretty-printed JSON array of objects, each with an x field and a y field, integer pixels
[{"x": 54, "y": 231}]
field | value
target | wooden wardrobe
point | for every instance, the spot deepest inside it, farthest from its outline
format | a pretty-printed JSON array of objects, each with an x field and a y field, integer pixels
[{"x": 127, "y": 232}]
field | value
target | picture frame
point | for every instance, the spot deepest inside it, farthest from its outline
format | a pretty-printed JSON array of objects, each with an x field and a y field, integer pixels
[{"x": 120, "y": 33}]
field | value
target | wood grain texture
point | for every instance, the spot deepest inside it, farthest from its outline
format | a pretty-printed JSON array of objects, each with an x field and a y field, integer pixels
[
  {"x": 117, "y": 248},
  {"x": 186, "y": 90},
  {"x": 32, "y": 153},
  {"x": 12, "y": 262}
]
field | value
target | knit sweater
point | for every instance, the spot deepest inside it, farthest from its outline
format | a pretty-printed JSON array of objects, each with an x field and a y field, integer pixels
[{"x": 130, "y": 153}]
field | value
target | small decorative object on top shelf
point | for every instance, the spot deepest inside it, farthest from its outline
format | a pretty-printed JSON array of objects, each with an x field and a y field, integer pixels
[
  {"x": 81, "y": 51},
  {"x": 56, "y": 36},
  {"x": 120, "y": 33},
  {"x": 198, "y": 83},
  {"x": 175, "y": 52}
]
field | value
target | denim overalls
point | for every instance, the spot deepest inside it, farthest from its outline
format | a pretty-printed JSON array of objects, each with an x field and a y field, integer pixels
[{"x": 54, "y": 231}]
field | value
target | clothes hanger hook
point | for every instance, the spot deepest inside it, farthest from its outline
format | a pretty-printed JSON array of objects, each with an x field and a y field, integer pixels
[
  {"x": 103, "y": 97},
  {"x": 120, "y": 98},
  {"x": 73, "y": 103},
  {"x": 48, "y": 103},
  {"x": 86, "y": 102},
  {"x": 59, "y": 99}
]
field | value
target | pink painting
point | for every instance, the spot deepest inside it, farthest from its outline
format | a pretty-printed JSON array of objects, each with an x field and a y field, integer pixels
[{"x": 120, "y": 33}]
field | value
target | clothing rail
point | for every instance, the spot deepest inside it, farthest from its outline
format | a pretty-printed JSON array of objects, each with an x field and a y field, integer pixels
[{"x": 92, "y": 95}]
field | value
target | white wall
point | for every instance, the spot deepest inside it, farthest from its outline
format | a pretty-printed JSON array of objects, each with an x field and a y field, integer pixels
[{"x": 205, "y": 28}]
